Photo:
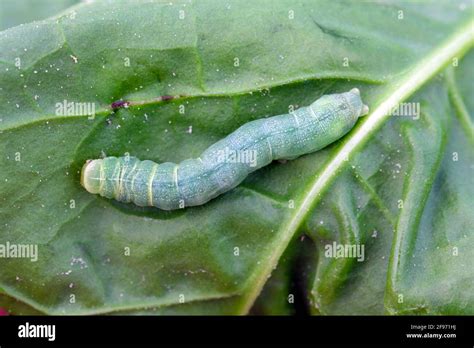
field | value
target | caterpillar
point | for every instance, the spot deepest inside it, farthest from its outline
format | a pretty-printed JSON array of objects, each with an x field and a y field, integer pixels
[{"x": 226, "y": 163}]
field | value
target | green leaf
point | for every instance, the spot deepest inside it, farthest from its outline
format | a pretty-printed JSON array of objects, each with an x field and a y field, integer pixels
[{"x": 101, "y": 256}]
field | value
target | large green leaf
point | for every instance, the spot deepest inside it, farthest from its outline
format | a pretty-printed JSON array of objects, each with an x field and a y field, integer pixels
[{"x": 288, "y": 54}]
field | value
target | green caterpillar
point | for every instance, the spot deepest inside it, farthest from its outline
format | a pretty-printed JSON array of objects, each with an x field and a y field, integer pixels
[{"x": 226, "y": 163}]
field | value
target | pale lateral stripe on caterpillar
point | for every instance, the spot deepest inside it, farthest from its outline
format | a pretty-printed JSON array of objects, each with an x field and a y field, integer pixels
[{"x": 196, "y": 181}]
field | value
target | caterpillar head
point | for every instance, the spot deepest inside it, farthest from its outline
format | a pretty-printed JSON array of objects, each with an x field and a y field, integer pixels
[{"x": 90, "y": 175}]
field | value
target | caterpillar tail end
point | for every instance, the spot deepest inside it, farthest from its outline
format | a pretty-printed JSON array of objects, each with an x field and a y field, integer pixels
[{"x": 90, "y": 176}]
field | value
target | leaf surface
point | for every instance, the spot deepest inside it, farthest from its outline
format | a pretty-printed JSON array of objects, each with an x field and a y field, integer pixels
[{"x": 217, "y": 258}]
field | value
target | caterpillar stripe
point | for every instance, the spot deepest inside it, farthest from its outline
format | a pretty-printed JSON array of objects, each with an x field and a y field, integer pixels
[{"x": 226, "y": 163}]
